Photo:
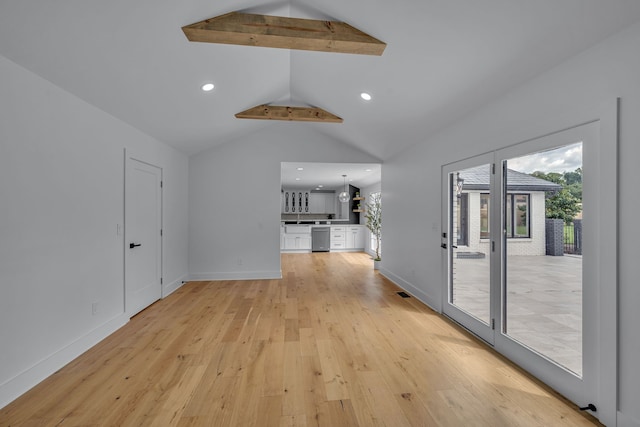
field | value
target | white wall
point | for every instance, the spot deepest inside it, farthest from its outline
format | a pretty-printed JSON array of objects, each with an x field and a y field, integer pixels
[
  {"x": 568, "y": 95},
  {"x": 234, "y": 198},
  {"x": 61, "y": 199}
]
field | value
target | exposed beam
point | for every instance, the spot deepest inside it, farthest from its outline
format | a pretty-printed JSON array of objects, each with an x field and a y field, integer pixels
[
  {"x": 282, "y": 32},
  {"x": 296, "y": 114}
]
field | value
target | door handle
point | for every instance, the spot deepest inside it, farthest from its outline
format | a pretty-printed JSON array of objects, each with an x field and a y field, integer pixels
[{"x": 134, "y": 245}]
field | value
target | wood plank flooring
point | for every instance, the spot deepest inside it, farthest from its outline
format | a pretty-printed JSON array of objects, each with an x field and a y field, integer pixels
[{"x": 331, "y": 344}]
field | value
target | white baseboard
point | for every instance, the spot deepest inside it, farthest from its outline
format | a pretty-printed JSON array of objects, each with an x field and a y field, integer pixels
[
  {"x": 23, "y": 382},
  {"x": 416, "y": 292},
  {"x": 625, "y": 421},
  {"x": 236, "y": 275},
  {"x": 170, "y": 288}
]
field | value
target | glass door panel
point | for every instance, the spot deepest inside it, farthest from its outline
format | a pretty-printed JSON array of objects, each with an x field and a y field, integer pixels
[
  {"x": 542, "y": 293},
  {"x": 548, "y": 308},
  {"x": 466, "y": 195}
]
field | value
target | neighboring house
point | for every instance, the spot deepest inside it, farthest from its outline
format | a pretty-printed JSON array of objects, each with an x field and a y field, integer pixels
[{"x": 525, "y": 216}]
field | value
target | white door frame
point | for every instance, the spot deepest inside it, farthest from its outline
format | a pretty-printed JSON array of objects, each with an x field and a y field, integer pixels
[
  {"x": 604, "y": 161},
  {"x": 131, "y": 155}
]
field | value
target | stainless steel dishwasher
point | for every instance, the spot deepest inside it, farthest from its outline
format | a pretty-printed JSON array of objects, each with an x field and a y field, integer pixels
[{"x": 320, "y": 238}]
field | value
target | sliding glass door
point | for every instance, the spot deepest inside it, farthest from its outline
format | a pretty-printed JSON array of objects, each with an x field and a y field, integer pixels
[{"x": 520, "y": 255}]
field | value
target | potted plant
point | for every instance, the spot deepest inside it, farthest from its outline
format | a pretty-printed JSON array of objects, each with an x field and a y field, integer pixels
[{"x": 374, "y": 223}]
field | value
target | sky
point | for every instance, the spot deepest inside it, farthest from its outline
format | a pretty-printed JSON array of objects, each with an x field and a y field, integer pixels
[{"x": 564, "y": 159}]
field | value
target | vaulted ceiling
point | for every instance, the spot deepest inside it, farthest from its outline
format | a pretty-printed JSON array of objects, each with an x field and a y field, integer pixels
[{"x": 443, "y": 60}]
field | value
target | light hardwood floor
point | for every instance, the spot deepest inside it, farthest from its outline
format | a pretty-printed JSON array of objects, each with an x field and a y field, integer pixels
[{"x": 332, "y": 344}]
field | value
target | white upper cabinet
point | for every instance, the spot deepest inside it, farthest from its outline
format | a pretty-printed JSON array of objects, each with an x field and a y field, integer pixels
[{"x": 317, "y": 203}]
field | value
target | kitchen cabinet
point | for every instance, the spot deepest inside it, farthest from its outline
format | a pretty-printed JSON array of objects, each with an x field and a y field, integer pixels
[
  {"x": 297, "y": 237},
  {"x": 338, "y": 237},
  {"x": 317, "y": 203},
  {"x": 297, "y": 242},
  {"x": 355, "y": 237},
  {"x": 295, "y": 201},
  {"x": 347, "y": 237},
  {"x": 322, "y": 203}
]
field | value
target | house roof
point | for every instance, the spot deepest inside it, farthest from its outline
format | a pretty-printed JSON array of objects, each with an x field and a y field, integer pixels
[
  {"x": 443, "y": 60},
  {"x": 478, "y": 178}
]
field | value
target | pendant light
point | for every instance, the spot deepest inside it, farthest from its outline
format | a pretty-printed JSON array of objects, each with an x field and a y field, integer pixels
[{"x": 344, "y": 196}]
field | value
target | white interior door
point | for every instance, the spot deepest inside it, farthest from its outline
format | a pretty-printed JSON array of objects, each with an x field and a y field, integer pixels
[{"x": 143, "y": 231}]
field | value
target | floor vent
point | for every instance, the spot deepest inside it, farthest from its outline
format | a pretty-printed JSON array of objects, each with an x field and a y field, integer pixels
[{"x": 404, "y": 295}]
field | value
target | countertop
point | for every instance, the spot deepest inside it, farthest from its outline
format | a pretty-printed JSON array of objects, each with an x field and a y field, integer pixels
[{"x": 320, "y": 221}]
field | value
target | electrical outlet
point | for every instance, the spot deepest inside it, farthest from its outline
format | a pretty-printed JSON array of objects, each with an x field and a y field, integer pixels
[{"x": 94, "y": 308}]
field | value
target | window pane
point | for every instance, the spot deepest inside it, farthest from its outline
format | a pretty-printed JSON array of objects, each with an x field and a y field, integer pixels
[
  {"x": 542, "y": 288},
  {"x": 521, "y": 213},
  {"x": 509, "y": 216},
  {"x": 484, "y": 216},
  {"x": 470, "y": 274}
]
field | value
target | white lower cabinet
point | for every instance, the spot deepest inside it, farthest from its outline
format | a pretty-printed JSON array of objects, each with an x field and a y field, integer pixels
[
  {"x": 338, "y": 237},
  {"x": 347, "y": 237},
  {"x": 342, "y": 238},
  {"x": 355, "y": 237},
  {"x": 297, "y": 242}
]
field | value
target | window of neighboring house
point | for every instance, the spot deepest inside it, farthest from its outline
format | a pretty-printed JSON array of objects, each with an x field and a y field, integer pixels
[
  {"x": 484, "y": 216},
  {"x": 518, "y": 216},
  {"x": 463, "y": 219}
]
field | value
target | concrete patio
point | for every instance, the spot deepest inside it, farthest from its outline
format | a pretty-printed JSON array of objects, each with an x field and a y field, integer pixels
[{"x": 544, "y": 302}]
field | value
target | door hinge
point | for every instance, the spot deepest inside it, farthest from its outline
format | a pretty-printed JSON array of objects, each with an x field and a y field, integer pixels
[
  {"x": 493, "y": 168},
  {"x": 161, "y": 280},
  {"x": 493, "y": 246},
  {"x": 493, "y": 324},
  {"x": 161, "y": 184},
  {"x": 161, "y": 231}
]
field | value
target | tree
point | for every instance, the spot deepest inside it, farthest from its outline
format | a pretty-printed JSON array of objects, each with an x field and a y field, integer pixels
[
  {"x": 566, "y": 203},
  {"x": 562, "y": 205},
  {"x": 574, "y": 177}
]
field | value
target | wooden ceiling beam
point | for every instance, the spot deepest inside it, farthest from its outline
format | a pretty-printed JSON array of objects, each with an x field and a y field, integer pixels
[
  {"x": 296, "y": 114},
  {"x": 282, "y": 32}
]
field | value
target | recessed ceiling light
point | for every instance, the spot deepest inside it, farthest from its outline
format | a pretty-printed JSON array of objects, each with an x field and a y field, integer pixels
[
  {"x": 367, "y": 170},
  {"x": 297, "y": 179},
  {"x": 320, "y": 185},
  {"x": 317, "y": 188},
  {"x": 207, "y": 87},
  {"x": 365, "y": 96},
  {"x": 300, "y": 169}
]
